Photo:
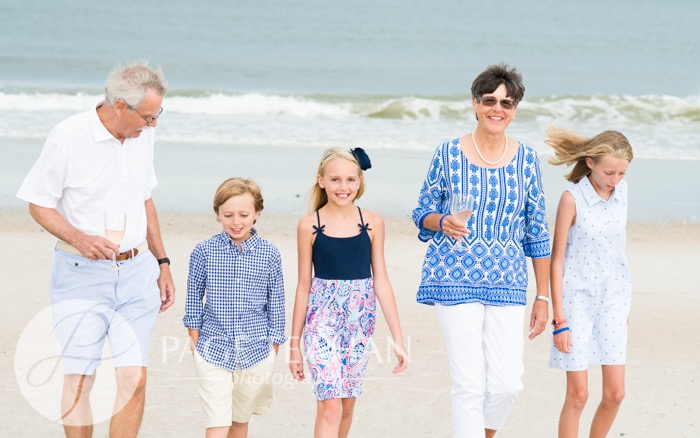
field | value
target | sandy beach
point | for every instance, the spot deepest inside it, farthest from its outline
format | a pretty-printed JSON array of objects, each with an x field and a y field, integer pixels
[
  {"x": 260, "y": 89},
  {"x": 663, "y": 371}
]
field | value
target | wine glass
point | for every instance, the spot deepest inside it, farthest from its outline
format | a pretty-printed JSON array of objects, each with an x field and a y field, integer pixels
[
  {"x": 115, "y": 226},
  {"x": 461, "y": 207}
]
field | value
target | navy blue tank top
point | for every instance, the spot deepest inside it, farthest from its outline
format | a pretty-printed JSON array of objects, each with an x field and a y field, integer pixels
[{"x": 342, "y": 258}]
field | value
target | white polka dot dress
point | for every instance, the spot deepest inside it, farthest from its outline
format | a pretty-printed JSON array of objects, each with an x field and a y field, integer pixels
[{"x": 596, "y": 284}]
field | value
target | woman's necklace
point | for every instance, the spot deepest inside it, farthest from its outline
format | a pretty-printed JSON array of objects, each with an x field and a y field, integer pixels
[{"x": 492, "y": 163}]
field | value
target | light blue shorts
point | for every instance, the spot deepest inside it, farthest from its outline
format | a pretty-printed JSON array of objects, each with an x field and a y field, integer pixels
[{"x": 91, "y": 302}]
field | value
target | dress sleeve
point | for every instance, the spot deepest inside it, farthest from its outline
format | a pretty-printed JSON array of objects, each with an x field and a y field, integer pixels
[
  {"x": 196, "y": 285},
  {"x": 432, "y": 194},
  {"x": 536, "y": 241}
]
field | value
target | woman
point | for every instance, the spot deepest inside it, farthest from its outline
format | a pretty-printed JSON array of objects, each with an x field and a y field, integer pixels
[{"x": 475, "y": 273}]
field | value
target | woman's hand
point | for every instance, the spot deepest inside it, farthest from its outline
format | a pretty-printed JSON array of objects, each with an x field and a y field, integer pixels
[
  {"x": 538, "y": 319},
  {"x": 454, "y": 228},
  {"x": 296, "y": 366},
  {"x": 562, "y": 340}
]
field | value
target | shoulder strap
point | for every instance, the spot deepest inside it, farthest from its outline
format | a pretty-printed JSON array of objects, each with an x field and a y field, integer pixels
[
  {"x": 363, "y": 226},
  {"x": 318, "y": 228},
  {"x": 362, "y": 221}
]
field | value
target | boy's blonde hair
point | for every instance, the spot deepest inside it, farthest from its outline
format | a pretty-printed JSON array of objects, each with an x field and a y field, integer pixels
[
  {"x": 238, "y": 186},
  {"x": 318, "y": 195},
  {"x": 571, "y": 149}
]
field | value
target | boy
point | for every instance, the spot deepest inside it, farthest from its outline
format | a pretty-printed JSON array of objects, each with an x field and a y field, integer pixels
[{"x": 241, "y": 322}]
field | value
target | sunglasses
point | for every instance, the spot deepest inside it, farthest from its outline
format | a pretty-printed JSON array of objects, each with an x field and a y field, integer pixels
[{"x": 492, "y": 101}]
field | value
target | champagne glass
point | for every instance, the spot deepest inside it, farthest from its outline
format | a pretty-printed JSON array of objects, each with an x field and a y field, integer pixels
[
  {"x": 115, "y": 226},
  {"x": 461, "y": 207}
]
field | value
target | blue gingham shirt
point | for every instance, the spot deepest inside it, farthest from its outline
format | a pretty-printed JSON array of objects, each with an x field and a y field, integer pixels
[{"x": 243, "y": 309}]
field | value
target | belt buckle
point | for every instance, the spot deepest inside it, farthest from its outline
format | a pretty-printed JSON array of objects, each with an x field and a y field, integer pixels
[{"x": 133, "y": 252}]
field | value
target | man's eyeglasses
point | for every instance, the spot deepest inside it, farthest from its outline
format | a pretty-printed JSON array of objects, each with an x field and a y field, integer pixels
[
  {"x": 148, "y": 120},
  {"x": 491, "y": 101}
]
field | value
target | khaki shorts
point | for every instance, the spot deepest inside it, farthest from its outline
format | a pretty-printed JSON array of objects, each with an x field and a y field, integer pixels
[{"x": 234, "y": 396}]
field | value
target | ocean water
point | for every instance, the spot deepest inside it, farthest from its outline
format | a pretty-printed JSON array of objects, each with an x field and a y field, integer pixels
[{"x": 387, "y": 75}]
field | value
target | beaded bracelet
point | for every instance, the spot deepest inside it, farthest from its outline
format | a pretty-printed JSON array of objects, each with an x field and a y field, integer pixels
[
  {"x": 441, "y": 219},
  {"x": 563, "y": 329}
]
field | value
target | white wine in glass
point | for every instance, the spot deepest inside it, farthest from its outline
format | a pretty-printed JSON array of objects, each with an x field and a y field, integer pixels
[
  {"x": 461, "y": 207},
  {"x": 115, "y": 226}
]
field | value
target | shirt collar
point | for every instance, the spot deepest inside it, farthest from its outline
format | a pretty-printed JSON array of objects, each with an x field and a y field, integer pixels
[
  {"x": 592, "y": 197},
  {"x": 99, "y": 132},
  {"x": 246, "y": 245}
]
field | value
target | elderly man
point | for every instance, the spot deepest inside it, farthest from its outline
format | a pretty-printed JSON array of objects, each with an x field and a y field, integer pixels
[{"x": 93, "y": 164}]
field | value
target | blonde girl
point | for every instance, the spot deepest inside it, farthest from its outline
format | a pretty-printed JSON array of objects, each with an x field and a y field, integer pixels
[
  {"x": 341, "y": 270},
  {"x": 590, "y": 280}
]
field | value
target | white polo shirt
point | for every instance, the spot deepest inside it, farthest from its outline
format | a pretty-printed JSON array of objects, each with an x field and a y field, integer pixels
[{"x": 84, "y": 172}]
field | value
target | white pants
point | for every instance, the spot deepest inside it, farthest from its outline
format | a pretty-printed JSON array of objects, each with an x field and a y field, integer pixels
[{"x": 485, "y": 353}]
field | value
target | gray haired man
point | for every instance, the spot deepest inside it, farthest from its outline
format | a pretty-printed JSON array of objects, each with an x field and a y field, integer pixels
[{"x": 94, "y": 165}]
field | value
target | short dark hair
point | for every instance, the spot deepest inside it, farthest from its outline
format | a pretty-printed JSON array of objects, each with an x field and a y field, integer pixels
[{"x": 495, "y": 75}]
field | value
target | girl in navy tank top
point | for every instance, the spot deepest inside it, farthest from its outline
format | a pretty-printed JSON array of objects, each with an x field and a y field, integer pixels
[{"x": 341, "y": 269}]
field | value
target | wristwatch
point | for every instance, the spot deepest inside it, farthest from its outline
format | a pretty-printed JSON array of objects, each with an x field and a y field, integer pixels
[
  {"x": 163, "y": 260},
  {"x": 557, "y": 322}
]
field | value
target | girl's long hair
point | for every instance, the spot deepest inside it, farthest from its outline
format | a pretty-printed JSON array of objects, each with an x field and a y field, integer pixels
[{"x": 571, "y": 149}]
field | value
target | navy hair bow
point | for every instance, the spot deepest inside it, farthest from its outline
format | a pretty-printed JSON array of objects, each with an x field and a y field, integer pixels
[{"x": 362, "y": 158}]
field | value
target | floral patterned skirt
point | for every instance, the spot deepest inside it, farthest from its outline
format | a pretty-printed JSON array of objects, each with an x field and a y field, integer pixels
[{"x": 337, "y": 335}]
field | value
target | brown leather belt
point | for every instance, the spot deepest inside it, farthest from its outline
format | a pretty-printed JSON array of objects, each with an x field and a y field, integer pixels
[{"x": 133, "y": 252}]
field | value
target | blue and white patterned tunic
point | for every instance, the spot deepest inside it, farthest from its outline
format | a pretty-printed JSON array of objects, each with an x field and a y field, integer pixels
[
  {"x": 508, "y": 224},
  {"x": 243, "y": 291}
]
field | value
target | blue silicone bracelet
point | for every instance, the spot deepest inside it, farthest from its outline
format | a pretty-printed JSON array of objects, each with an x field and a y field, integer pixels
[
  {"x": 563, "y": 329},
  {"x": 441, "y": 219}
]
